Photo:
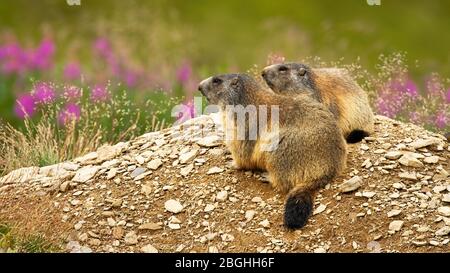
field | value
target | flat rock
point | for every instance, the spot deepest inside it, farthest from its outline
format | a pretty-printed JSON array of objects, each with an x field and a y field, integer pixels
[
  {"x": 154, "y": 164},
  {"x": 186, "y": 170},
  {"x": 210, "y": 141},
  {"x": 351, "y": 185},
  {"x": 393, "y": 155},
  {"x": 444, "y": 231},
  {"x": 396, "y": 225},
  {"x": 431, "y": 159},
  {"x": 131, "y": 238},
  {"x": 444, "y": 211},
  {"x": 149, "y": 249},
  {"x": 188, "y": 156},
  {"x": 422, "y": 143},
  {"x": 222, "y": 196},
  {"x": 321, "y": 208},
  {"x": 137, "y": 172},
  {"x": 249, "y": 214},
  {"x": 214, "y": 170},
  {"x": 22, "y": 175},
  {"x": 394, "y": 213},
  {"x": 85, "y": 174},
  {"x": 408, "y": 176},
  {"x": 410, "y": 161},
  {"x": 173, "y": 206},
  {"x": 446, "y": 198}
]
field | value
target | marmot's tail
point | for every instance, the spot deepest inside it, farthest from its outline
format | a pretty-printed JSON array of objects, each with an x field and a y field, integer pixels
[
  {"x": 356, "y": 136},
  {"x": 300, "y": 203}
]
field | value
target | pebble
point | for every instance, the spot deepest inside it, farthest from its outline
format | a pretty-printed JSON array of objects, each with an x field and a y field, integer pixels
[
  {"x": 410, "y": 161},
  {"x": 149, "y": 249},
  {"x": 446, "y": 198},
  {"x": 444, "y": 231},
  {"x": 321, "y": 208},
  {"x": 137, "y": 172},
  {"x": 408, "y": 176},
  {"x": 210, "y": 141},
  {"x": 265, "y": 223},
  {"x": 444, "y": 211},
  {"x": 394, "y": 212},
  {"x": 222, "y": 196},
  {"x": 396, "y": 225},
  {"x": 131, "y": 238},
  {"x": 173, "y": 206},
  {"x": 154, "y": 164},
  {"x": 393, "y": 155},
  {"x": 150, "y": 226},
  {"x": 214, "y": 170},
  {"x": 431, "y": 159},
  {"x": 351, "y": 185},
  {"x": 249, "y": 214},
  {"x": 189, "y": 156},
  {"x": 187, "y": 170},
  {"x": 85, "y": 174},
  {"x": 209, "y": 208}
]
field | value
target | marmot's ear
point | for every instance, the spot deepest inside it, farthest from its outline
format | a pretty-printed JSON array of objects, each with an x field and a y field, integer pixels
[{"x": 235, "y": 82}]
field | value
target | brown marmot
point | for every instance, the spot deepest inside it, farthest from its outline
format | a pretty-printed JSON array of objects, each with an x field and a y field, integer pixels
[
  {"x": 310, "y": 150},
  {"x": 331, "y": 86}
]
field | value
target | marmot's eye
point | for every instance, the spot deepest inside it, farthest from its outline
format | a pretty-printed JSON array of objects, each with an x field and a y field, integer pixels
[
  {"x": 302, "y": 71},
  {"x": 282, "y": 68},
  {"x": 217, "y": 81}
]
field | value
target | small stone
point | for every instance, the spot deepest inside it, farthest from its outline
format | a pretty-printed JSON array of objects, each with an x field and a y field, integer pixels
[
  {"x": 410, "y": 161},
  {"x": 150, "y": 226},
  {"x": 227, "y": 237},
  {"x": 213, "y": 249},
  {"x": 214, "y": 170},
  {"x": 210, "y": 141},
  {"x": 85, "y": 174},
  {"x": 174, "y": 226},
  {"x": 154, "y": 164},
  {"x": 446, "y": 198},
  {"x": 173, "y": 206},
  {"x": 140, "y": 159},
  {"x": 320, "y": 250},
  {"x": 364, "y": 147},
  {"x": 249, "y": 214},
  {"x": 393, "y": 155},
  {"x": 257, "y": 199},
  {"x": 265, "y": 223},
  {"x": 351, "y": 185},
  {"x": 118, "y": 233},
  {"x": 394, "y": 213},
  {"x": 64, "y": 186},
  {"x": 186, "y": 170},
  {"x": 422, "y": 143},
  {"x": 186, "y": 157},
  {"x": 409, "y": 176},
  {"x": 149, "y": 249},
  {"x": 321, "y": 208},
  {"x": 111, "y": 222},
  {"x": 222, "y": 196},
  {"x": 209, "y": 208},
  {"x": 444, "y": 211},
  {"x": 444, "y": 231},
  {"x": 431, "y": 159},
  {"x": 137, "y": 172},
  {"x": 131, "y": 238},
  {"x": 111, "y": 173},
  {"x": 368, "y": 194},
  {"x": 398, "y": 186},
  {"x": 379, "y": 151},
  {"x": 396, "y": 225}
]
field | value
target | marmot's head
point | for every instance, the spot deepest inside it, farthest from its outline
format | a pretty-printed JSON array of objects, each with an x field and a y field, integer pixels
[
  {"x": 228, "y": 89},
  {"x": 289, "y": 77}
]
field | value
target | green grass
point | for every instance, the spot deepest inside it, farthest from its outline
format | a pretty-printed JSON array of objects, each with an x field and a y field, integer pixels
[{"x": 35, "y": 243}]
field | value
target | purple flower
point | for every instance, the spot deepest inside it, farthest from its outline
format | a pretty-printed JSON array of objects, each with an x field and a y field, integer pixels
[
  {"x": 71, "y": 112},
  {"x": 15, "y": 59},
  {"x": 72, "y": 71},
  {"x": 72, "y": 93},
  {"x": 41, "y": 57},
  {"x": 131, "y": 79},
  {"x": 25, "y": 106},
  {"x": 441, "y": 120},
  {"x": 99, "y": 93},
  {"x": 103, "y": 47},
  {"x": 184, "y": 73},
  {"x": 44, "y": 93},
  {"x": 188, "y": 111}
]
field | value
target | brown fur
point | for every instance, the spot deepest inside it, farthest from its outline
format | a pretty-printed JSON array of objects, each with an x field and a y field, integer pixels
[
  {"x": 311, "y": 151},
  {"x": 333, "y": 87}
]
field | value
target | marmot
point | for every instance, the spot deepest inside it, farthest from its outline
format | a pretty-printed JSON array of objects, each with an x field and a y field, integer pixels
[
  {"x": 310, "y": 152},
  {"x": 331, "y": 86}
]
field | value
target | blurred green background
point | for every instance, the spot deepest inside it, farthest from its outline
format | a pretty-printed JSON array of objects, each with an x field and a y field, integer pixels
[{"x": 238, "y": 34}]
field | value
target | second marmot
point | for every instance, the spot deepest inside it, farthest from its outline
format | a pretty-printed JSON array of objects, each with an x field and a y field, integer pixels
[{"x": 331, "y": 86}]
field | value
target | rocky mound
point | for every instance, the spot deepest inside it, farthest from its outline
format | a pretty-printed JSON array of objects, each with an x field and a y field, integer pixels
[{"x": 176, "y": 191}]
